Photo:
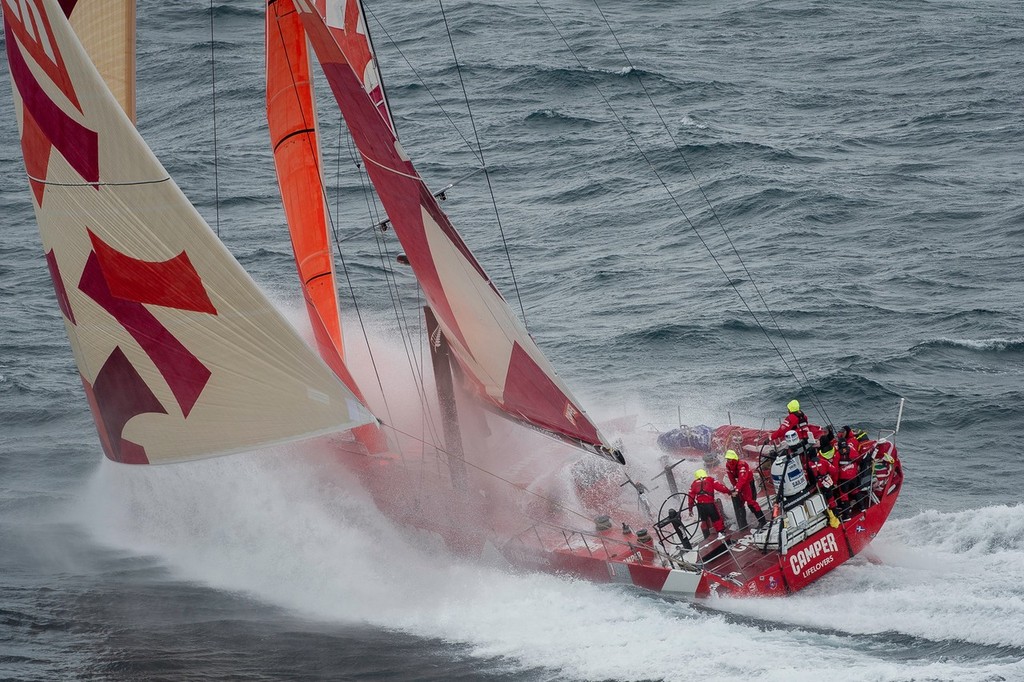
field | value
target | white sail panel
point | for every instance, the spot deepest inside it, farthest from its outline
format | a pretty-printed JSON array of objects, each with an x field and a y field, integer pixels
[{"x": 180, "y": 353}]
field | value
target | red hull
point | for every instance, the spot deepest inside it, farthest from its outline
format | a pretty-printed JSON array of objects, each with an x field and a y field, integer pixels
[{"x": 470, "y": 526}]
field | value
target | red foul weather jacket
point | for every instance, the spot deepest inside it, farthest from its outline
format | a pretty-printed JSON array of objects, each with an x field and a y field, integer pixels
[{"x": 702, "y": 491}]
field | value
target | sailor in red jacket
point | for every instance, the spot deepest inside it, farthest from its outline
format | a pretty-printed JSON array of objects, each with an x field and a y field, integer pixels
[
  {"x": 824, "y": 471},
  {"x": 846, "y": 434},
  {"x": 794, "y": 421},
  {"x": 743, "y": 483},
  {"x": 849, "y": 470},
  {"x": 702, "y": 493}
]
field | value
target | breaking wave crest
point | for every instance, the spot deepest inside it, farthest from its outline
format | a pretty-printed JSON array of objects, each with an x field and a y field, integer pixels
[{"x": 1015, "y": 345}]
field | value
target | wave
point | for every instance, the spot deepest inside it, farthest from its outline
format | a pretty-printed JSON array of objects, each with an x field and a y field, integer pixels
[
  {"x": 995, "y": 345},
  {"x": 553, "y": 116}
]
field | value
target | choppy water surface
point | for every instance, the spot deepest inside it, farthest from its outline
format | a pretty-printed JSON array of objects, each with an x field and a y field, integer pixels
[{"x": 866, "y": 160}]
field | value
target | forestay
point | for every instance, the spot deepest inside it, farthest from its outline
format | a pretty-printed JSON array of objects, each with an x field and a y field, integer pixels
[{"x": 180, "y": 354}]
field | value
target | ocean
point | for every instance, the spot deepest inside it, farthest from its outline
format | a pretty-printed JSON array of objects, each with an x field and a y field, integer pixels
[{"x": 865, "y": 159}]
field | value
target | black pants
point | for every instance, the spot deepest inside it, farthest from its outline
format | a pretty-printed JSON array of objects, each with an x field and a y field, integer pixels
[{"x": 708, "y": 514}]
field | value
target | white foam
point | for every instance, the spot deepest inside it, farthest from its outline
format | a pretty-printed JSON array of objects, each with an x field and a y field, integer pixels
[
  {"x": 295, "y": 531},
  {"x": 996, "y": 344},
  {"x": 954, "y": 577}
]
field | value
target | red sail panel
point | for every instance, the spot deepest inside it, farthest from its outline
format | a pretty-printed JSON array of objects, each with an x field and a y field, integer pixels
[
  {"x": 346, "y": 22},
  {"x": 291, "y": 116},
  {"x": 489, "y": 342}
]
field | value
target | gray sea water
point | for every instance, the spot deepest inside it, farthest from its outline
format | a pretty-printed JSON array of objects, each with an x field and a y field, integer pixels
[{"x": 867, "y": 161}]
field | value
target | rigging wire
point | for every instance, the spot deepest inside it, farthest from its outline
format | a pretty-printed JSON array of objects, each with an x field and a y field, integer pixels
[
  {"x": 672, "y": 197},
  {"x": 389, "y": 275},
  {"x": 213, "y": 86},
  {"x": 486, "y": 472},
  {"x": 480, "y": 152},
  {"x": 778, "y": 328},
  {"x": 423, "y": 82}
]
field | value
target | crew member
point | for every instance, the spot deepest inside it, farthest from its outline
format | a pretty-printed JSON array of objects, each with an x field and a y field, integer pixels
[
  {"x": 824, "y": 472},
  {"x": 702, "y": 493},
  {"x": 849, "y": 473},
  {"x": 847, "y": 434},
  {"x": 744, "y": 491},
  {"x": 796, "y": 420}
]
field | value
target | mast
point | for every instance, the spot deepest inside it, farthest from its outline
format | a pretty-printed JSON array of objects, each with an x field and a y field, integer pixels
[{"x": 441, "y": 359}]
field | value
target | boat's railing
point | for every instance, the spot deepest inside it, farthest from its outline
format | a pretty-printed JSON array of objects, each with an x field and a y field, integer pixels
[{"x": 593, "y": 542}]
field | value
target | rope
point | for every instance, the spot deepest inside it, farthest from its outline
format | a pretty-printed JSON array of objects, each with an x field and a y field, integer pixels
[
  {"x": 213, "y": 86},
  {"x": 495, "y": 476},
  {"x": 819, "y": 405},
  {"x": 96, "y": 184},
  {"x": 487, "y": 175},
  {"x": 392, "y": 282},
  {"x": 673, "y": 198},
  {"x": 394, "y": 44}
]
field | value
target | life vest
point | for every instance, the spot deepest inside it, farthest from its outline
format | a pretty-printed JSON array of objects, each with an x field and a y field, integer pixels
[
  {"x": 704, "y": 496},
  {"x": 821, "y": 469},
  {"x": 801, "y": 425}
]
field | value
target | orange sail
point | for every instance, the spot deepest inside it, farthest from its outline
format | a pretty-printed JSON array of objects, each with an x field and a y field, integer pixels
[
  {"x": 292, "y": 118},
  {"x": 291, "y": 115}
]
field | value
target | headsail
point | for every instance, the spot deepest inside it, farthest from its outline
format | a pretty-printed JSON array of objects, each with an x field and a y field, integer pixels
[
  {"x": 291, "y": 117},
  {"x": 498, "y": 355},
  {"x": 180, "y": 353}
]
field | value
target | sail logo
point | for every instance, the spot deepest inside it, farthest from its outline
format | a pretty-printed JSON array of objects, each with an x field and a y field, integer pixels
[
  {"x": 28, "y": 20},
  {"x": 823, "y": 546},
  {"x": 435, "y": 338},
  {"x": 47, "y": 124},
  {"x": 571, "y": 413},
  {"x": 123, "y": 286}
]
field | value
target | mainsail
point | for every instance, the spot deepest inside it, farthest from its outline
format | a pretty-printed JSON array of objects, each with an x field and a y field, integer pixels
[
  {"x": 180, "y": 353},
  {"x": 500, "y": 359},
  {"x": 291, "y": 117}
]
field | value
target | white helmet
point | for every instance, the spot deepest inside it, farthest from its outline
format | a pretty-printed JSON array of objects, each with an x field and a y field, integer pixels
[{"x": 792, "y": 440}]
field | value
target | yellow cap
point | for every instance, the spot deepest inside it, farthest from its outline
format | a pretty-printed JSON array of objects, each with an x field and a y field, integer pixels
[
  {"x": 794, "y": 406},
  {"x": 731, "y": 454},
  {"x": 700, "y": 473}
]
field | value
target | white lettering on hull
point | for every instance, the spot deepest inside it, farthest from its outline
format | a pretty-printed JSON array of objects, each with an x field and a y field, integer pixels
[{"x": 812, "y": 553}]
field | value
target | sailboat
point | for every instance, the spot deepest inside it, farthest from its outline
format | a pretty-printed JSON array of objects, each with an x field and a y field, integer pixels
[{"x": 182, "y": 356}]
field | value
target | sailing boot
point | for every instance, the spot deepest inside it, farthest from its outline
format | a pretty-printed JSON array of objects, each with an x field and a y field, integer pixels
[
  {"x": 832, "y": 520},
  {"x": 761, "y": 520}
]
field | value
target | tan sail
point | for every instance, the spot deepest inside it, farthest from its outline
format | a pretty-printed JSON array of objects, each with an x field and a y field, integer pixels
[
  {"x": 106, "y": 29},
  {"x": 181, "y": 355}
]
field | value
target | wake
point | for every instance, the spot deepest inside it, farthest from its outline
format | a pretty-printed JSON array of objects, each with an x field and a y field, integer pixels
[{"x": 297, "y": 531}]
